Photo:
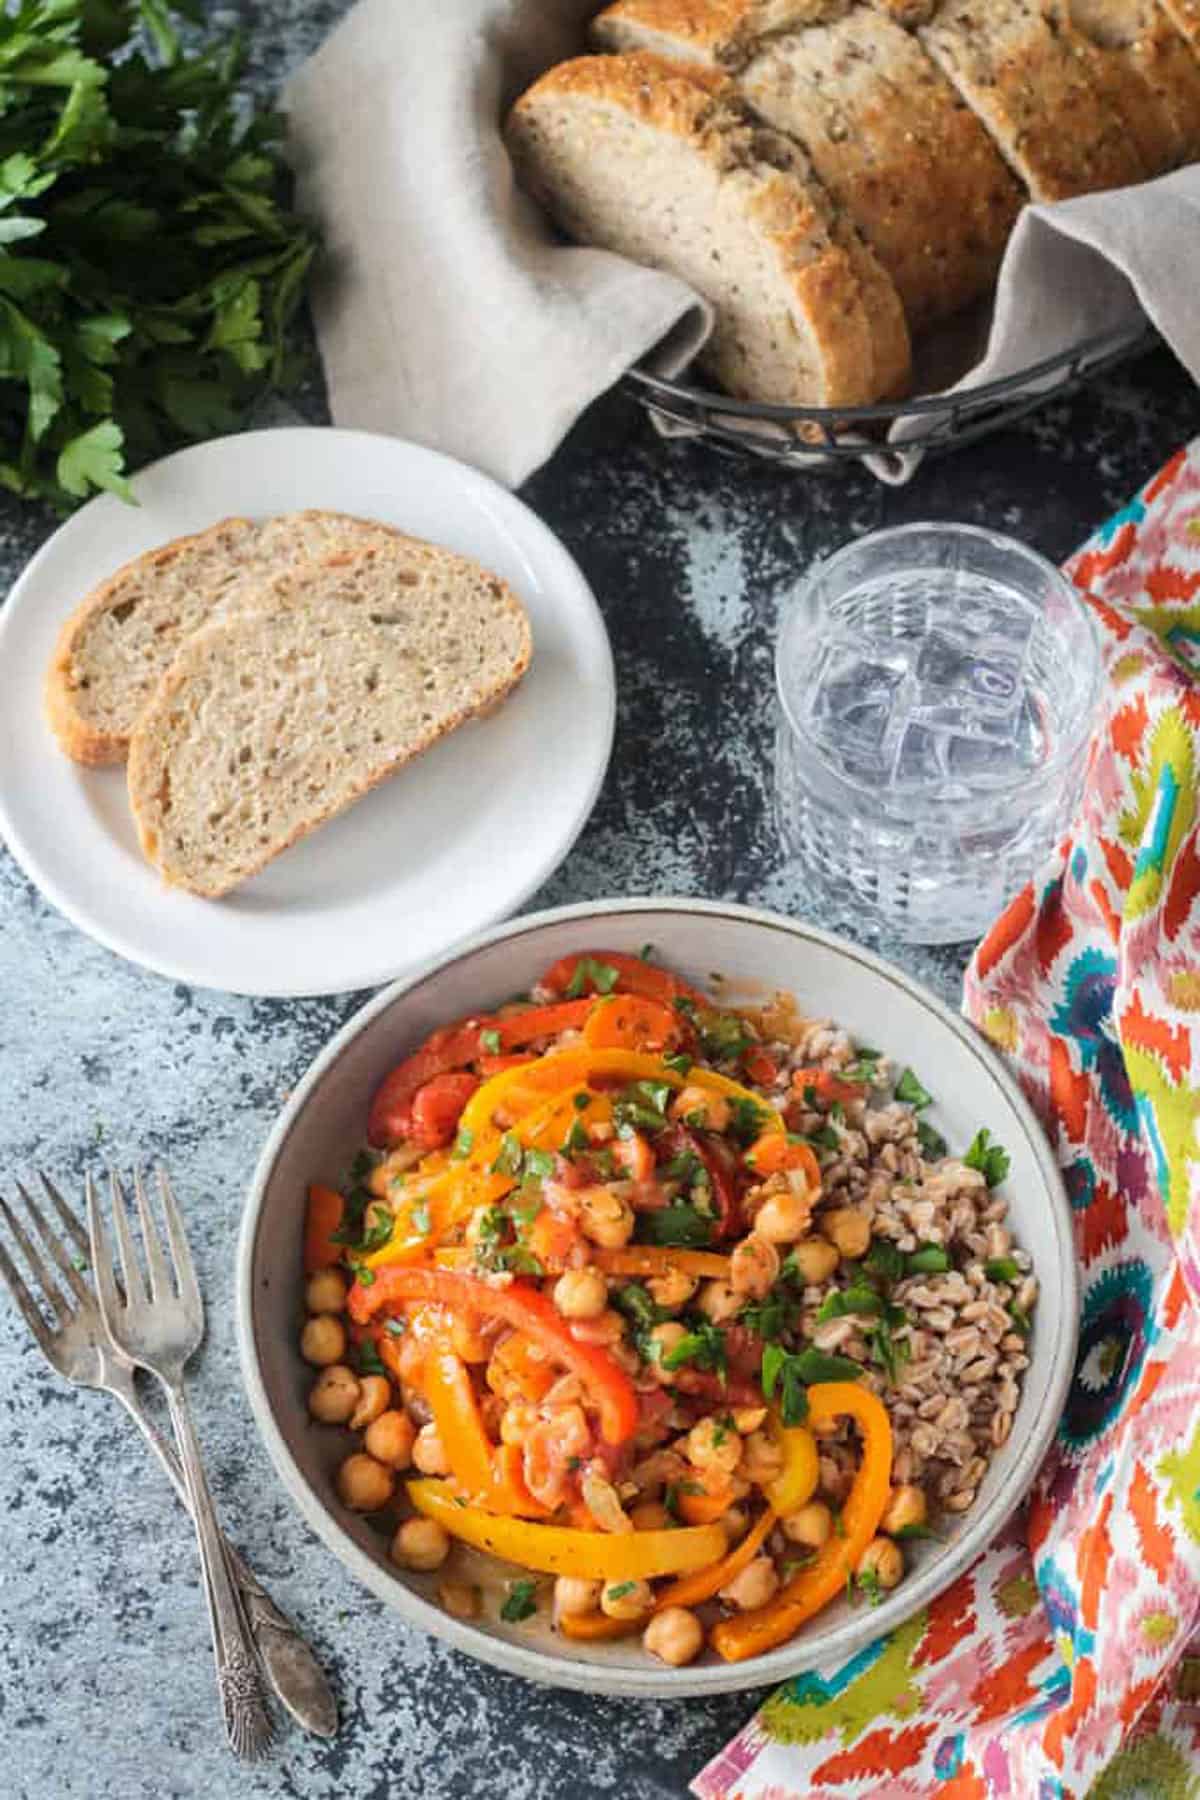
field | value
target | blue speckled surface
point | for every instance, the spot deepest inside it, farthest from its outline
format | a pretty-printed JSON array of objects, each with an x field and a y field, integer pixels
[{"x": 106, "y": 1688}]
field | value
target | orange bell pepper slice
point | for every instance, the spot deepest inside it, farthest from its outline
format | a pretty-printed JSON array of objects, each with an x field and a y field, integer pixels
[
  {"x": 813, "y": 1587},
  {"x": 695, "y": 1589},
  {"x": 826, "y": 1086},
  {"x": 523, "y": 1307},
  {"x": 596, "y": 1628},
  {"x": 703, "y": 1501},
  {"x": 631, "y": 1022},
  {"x": 516, "y": 1364},
  {"x": 447, "y": 1388},
  {"x": 760, "y": 1067},
  {"x": 774, "y": 1153},
  {"x": 652, "y": 1259},
  {"x": 797, "y": 1480},
  {"x": 322, "y": 1218},
  {"x": 634, "y": 976}
]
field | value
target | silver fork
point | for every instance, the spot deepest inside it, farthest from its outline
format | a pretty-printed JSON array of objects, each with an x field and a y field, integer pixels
[
  {"x": 159, "y": 1324},
  {"x": 79, "y": 1349}
]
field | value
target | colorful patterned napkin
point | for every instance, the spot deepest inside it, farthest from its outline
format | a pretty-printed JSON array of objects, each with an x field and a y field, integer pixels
[{"x": 1066, "y": 1662}]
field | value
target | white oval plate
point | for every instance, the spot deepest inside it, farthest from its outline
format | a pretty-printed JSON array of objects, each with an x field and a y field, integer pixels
[{"x": 455, "y": 841}]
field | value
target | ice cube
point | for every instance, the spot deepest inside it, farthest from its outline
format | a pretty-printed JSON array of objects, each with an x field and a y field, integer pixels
[
  {"x": 852, "y": 708},
  {"x": 973, "y": 687},
  {"x": 920, "y": 760}
]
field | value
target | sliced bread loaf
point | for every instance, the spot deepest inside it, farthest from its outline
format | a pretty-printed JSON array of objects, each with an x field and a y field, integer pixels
[
  {"x": 121, "y": 639},
  {"x": 1144, "y": 68},
  {"x": 722, "y": 33},
  {"x": 885, "y": 131},
  {"x": 662, "y": 164},
  {"x": 1185, "y": 16},
  {"x": 281, "y": 715},
  {"x": 1036, "y": 94}
]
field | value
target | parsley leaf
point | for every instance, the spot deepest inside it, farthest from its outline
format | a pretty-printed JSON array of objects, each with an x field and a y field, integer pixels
[
  {"x": 489, "y": 1041},
  {"x": 510, "y": 1156},
  {"x": 369, "y": 1360},
  {"x": 1001, "y": 1268},
  {"x": 930, "y": 1259},
  {"x": 843, "y": 1302},
  {"x": 601, "y": 977},
  {"x": 991, "y": 1159},
  {"x": 933, "y": 1144},
  {"x": 679, "y": 1064},
  {"x": 911, "y": 1090},
  {"x": 883, "y": 1259},
  {"x": 539, "y": 1165},
  {"x": 520, "y": 1602},
  {"x": 621, "y": 1589},
  {"x": 703, "y": 1347},
  {"x": 678, "y": 1226},
  {"x": 782, "y": 1371},
  {"x": 464, "y": 1143}
]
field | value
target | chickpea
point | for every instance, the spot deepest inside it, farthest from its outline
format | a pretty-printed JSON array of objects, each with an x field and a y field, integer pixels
[
  {"x": 606, "y": 1218},
  {"x": 573, "y": 1598},
  {"x": 753, "y": 1267},
  {"x": 473, "y": 1345},
  {"x": 326, "y": 1291},
  {"x": 849, "y": 1229},
  {"x": 835, "y": 1481},
  {"x": 323, "y": 1341},
  {"x": 784, "y": 1217},
  {"x": 752, "y": 1586},
  {"x": 674, "y": 1635},
  {"x": 749, "y": 1418},
  {"x": 364, "y": 1484},
  {"x": 663, "y": 1340},
  {"x": 517, "y": 1421},
  {"x": 906, "y": 1506},
  {"x": 714, "y": 1444},
  {"x": 459, "y": 1598},
  {"x": 701, "y": 1108},
  {"x": 374, "y": 1398},
  {"x": 651, "y": 1515},
  {"x": 334, "y": 1395},
  {"x": 672, "y": 1290},
  {"x": 626, "y": 1599},
  {"x": 816, "y": 1258},
  {"x": 389, "y": 1439},
  {"x": 883, "y": 1560},
  {"x": 734, "y": 1523},
  {"x": 811, "y": 1525},
  {"x": 608, "y": 1329},
  {"x": 420, "y": 1544},
  {"x": 718, "y": 1301},
  {"x": 428, "y": 1453},
  {"x": 762, "y": 1458},
  {"x": 581, "y": 1294}
]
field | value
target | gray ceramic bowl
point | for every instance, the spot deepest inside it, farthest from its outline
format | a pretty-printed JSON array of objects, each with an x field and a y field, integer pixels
[{"x": 321, "y": 1126}]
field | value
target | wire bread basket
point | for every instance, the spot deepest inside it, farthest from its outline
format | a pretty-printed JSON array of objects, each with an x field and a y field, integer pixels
[{"x": 890, "y": 440}]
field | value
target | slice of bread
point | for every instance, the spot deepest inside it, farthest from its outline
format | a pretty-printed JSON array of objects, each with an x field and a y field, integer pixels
[
  {"x": 885, "y": 131},
  {"x": 1185, "y": 16},
  {"x": 662, "y": 163},
  {"x": 1036, "y": 95},
  {"x": 276, "y": 718},
  {"x": 1144, "y": 68},
  {"x": 721, "y": 33},
  {"x": 119, "y": 642}
]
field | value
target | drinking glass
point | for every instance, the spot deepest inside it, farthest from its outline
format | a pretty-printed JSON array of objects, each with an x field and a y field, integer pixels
[{"x": 936, "y": 686}]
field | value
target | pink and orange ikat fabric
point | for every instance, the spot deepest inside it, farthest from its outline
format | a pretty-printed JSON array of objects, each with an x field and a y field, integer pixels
[{"x": 1066, "y": 1662}]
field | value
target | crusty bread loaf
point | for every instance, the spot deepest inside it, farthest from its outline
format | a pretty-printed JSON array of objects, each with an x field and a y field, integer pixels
[
  {"x": 722, "y": 33},
  {"x": 1036, "y": 95},
  {"x": 1144, "y": 68},
  {"x": 121, "y": 639},
  {"x": 662, "y": 164},
  {"x": 1185, "y": 16},
  {"x": 885, "y": 131},
  {"x": 285, "y": 712}
]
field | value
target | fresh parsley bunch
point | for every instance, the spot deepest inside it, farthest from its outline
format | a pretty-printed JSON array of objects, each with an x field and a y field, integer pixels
[{"x": 148, "y": 273}]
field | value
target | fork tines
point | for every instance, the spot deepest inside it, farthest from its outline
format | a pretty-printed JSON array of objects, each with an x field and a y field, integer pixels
[{"x": 61, "y": 1305}]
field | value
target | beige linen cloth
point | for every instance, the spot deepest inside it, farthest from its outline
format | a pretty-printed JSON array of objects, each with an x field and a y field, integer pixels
[{"x": 449, "y": 312}]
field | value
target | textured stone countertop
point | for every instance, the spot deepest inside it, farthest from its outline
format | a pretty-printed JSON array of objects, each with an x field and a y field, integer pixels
[{"x": 106, "y": 1689}]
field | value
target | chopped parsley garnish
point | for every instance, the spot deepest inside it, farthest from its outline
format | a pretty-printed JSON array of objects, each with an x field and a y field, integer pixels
[
  {"x": 366, "y": 1277},
  {"x": 582, "y": 1101},
  {"x": 633, "y": 1300},
  {"x": 747, "y": 1121},
  {"x": 1001, "y": 1268},
  {"x": 646, "y": 953},
  {"x": 369, "y": 1360},
  {"x": 866, "y": 1070},
  {"x": 933, "y": 1144},
  {"x": 689, "y": 1169},
  {"x": 602, "y": 978},
  {"x": 576, "y": 1139},
  {"x": 679, "y": 1227},
  {"x": 824, "y": 1139},
  {"x": 930, "y": 1259},
  {"x": 510, "y": 1156},
  {"x": 679, "y": 1064},
  {"x": 885, "y": 1260},
  {"x": 539, "y": 1165},
  {"x": 420, "y": 1218},
  {"x": 912, "y": 1091},
  {"x": 912, "y": 1533},
  {"x": 464, "y": 1143},
  {"x": 490, "y": 1042},
  {"x": 395, "y": 1327},
  {"x": 868, "y": 1584},
  {"x": 494, "y": 1249},
  {"x": 520, "y": 1602},
  {"x": 817, "y": 1365},
  {"x": 642, "y": 1106},
  {"x": 1020, "y": 1319},
  {"x": 781, "y": 1371},
  {"x": 991, "y": 1159},
  {"x": 776, "y": 1314},
  {"x": 372, "y": 1231},
  {"x": 361, "y": 1167},
  {"x": 675, "y": 1489},
  {"x": 844, "y": 1302},
  {"x": 621, "y": 1589},
  {"x": 723, "y": 1036},
  {"x": 888, "y": 1351},
  {"x": 703, "y": 1347}
]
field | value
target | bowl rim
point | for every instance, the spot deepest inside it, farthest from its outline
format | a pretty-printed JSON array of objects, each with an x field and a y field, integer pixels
[{"x": 654, "y": 1681}]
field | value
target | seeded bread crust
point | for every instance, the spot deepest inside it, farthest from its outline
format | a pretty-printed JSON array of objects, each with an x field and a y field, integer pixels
[
  {"x": 582, "y": 138},
  {"x": 280, "y": 716},
  {"x": 123, "y": 636},
  {"x": 1036, "y": 94},
  {"x": 721, "y": 32},
  {"x": 1185, "y": 16},
  {"x": 886, "y": 133},
  {"x": 1144, "y": 68}
]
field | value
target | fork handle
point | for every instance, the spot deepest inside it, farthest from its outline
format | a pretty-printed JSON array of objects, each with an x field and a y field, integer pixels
[
  {"x": 247, "y": 1724},
  {"x": 288, "y": 1662}
]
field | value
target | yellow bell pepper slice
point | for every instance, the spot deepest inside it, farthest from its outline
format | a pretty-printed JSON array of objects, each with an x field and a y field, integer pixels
[
  {"x": 560, "y": 1550},
  {"x": 797, "y": 1481},
  {"x": 703, "y": 1584},
  {"x": 548, "y": 1126}
]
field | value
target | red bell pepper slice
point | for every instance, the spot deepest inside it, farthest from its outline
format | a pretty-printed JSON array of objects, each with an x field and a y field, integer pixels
[
  {"x": 390, "y": 1120},
  {"x": 323, "y": 1218},
  {"x": 526, "y": 1309},
  {"x": 677, "y": 1139},
  {"x": 436, "y": 1108},
  {"x": 634, "y": 976}
]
